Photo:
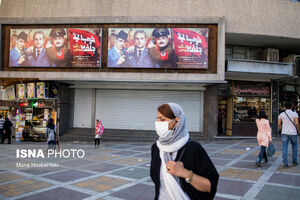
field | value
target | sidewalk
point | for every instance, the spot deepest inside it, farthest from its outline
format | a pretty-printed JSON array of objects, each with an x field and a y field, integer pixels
[{"x": 118, "y": 171}]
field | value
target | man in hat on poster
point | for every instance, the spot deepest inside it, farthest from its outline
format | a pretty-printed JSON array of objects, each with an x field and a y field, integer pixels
[
  {"x": 161, "y": 50},
  {"x": 17, "y": 54},
  {"x": 116, "y": 55},
  {"x": 57, "y": 48}
]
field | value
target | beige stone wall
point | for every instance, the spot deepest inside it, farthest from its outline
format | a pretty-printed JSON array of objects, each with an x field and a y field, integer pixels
[{"x": 258, "y": 17}]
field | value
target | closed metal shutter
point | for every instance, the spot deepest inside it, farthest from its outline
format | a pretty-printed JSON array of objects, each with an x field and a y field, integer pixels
[
  {"x": 137, "y": 109},
  {"x": 83, "y": 108}
]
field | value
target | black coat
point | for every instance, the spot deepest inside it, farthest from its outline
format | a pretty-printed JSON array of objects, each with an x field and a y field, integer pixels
[
  {"x": 6, "y": 127},
  {"x": 194, "y": 158}
]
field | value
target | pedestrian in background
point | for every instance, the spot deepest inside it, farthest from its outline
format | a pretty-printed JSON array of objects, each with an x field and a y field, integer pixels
[
  {"x": 288, "y": 123},
  {"x": 1, "y": 127},
  {"x": 264, "y": 136},
  {"x": 51, "y": 134},
  {"x": 7, "y": 130},
  {"x": 180, "y": 168},
  {"x": 98, "y": 132}
]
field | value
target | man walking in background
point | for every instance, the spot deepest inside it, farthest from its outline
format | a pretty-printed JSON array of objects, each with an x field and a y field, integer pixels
[{"x": 288, "y": 123}]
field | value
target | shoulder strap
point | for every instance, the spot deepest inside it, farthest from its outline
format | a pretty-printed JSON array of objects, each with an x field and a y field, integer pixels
[
  {"x": 291, "y": 120},
  {"x": 183, "y": 150}
]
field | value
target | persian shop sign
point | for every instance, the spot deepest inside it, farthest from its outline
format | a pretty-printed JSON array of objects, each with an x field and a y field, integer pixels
[{"x": 252, "y": 90}]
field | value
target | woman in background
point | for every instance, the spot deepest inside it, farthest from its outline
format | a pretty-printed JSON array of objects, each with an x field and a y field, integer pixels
[
  {"x": 263, "y": 136},
  {"x": 51, "y": 134},
  {"x": 98, "y": 132}
]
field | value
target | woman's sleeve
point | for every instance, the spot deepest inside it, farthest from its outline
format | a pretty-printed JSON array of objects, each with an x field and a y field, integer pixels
[
  {"x": 268, "y": 129},
  {"x": 206, "y": 168}
]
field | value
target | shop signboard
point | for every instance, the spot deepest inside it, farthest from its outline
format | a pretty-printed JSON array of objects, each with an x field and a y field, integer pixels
[
  {"x": 30, "y": 90},
  {"x": 56, "y": 47},
  {"x": 9, "y": 93},
  {"x": 252, "y": 90},
  {"x": 40, "y": 90},
  {"x": 21, "y": 91},
  {"x": 176, "y": 48}
]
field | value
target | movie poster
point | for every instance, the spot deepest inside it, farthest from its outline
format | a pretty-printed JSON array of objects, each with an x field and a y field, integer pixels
[
  {"x": 9, "y": 93},
  {"x": 30, "y": 90},
  {"x": 174, "y": 48},
  {"x": 40, "y": 90},
  {"x": 57, "y": 47},
  {"x": 21, "y": 91}
]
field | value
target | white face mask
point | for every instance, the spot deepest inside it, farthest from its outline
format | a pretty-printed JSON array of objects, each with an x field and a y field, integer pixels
[{"x": 162, "y": 129}]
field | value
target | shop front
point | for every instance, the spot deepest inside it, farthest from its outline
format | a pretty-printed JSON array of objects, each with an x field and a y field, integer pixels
[
  {"x": 32, "y": 117},
  {"x": 35, "y": 103},
  {"x": 247, "y": 99}
]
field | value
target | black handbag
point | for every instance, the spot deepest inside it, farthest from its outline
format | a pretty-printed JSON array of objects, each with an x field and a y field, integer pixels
[{"x": 271, "y": 149}]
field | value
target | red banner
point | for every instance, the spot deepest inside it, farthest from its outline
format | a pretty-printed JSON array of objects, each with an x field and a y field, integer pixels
[
  {"x": 83, "y": 42},
  {"x": 188, "y": 43}
]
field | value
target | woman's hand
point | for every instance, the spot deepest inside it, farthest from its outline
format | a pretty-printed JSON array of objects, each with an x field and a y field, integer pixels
[
  {"x": 200, "y": 183},
  {"x": 177, "y": 169}
]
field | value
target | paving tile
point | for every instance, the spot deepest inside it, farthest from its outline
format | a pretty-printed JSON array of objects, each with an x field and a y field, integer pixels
[
  {"x": 144, "y": 155},
  {"x": 101, "y": 157},
  {"x": 269, "y": 192},
  {"x": 136, "y": 173},
  {"x": 122, "y": 146},
  {"x": 139, "y": 191},
  {"x": 234, "y": 151},
  {"x": 129, "y": 161},
  {"x": 22, "y": 187},
  {"x": 291, "y": 169},
  {"x": 285, "y": 179},
  {"x": 224, "y": 156},
  {"x": 145, "y": 165},
  {"x": 125, "y": 153},
  {"x": 142, "y": 149},
  {"x": 39, "y": 171},
  {"x": 101, "y": 184},
  {"x": 242, "y": 147},
  {"x": 220, "y": 162},
  {"x": 57, "y": 193},
  {"x": 67, "y": 176},
  {"x": 77, "y": 163},
  {"x": 251, "y": 165},
  {"x": 237, "y": 188},
  {"x": 102, "y": 167},
  {"x": 241, "y": 174},
  {"x": 4, "y": 177},
  {"x": 250, "y": 144}
]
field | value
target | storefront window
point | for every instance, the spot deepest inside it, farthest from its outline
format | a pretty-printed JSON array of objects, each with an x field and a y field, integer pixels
[{"x": 246, "y": 109}]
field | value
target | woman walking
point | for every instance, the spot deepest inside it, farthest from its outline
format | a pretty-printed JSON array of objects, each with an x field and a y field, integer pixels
[
  {"x": 263, "y": 136},
  {"x": 180, "y": 168}
]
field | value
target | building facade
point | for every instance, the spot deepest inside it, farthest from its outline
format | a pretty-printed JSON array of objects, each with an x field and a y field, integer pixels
[{"x": 247, "y": 44}]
